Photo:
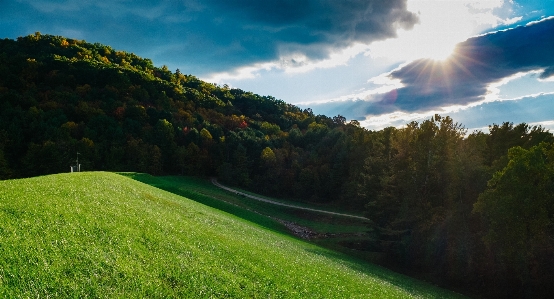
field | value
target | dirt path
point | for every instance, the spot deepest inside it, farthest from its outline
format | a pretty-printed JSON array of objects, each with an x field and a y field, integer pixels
[{"x": 215, "y": 182}]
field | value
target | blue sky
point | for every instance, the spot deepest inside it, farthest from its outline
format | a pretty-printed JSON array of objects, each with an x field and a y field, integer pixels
[{"x": 380, "y": 62}]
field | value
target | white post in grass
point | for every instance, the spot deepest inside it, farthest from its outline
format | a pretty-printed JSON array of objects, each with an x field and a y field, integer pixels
[{"x": 76, "y": 168}]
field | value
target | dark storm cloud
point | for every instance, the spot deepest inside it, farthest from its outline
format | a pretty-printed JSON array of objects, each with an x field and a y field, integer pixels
[
  {"x": 327, "y": 20},
  {"x": 476, "y": 63},
  {"x": 208, "y": 36}
]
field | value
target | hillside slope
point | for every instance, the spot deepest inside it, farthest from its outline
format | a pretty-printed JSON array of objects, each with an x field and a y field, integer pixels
[{"x": 105, "y": 235}]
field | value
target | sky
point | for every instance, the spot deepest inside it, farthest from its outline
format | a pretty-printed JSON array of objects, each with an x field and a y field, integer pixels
[{"x": 380, "y": 62}]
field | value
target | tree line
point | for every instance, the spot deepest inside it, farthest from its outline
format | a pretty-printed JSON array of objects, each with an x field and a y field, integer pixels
[{"x": 475, "y": 211}]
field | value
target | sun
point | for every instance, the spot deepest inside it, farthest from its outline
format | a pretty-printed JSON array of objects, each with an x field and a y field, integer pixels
[
  {"x": 442, "y": 25},
  {"x": 440, "y": 52}
]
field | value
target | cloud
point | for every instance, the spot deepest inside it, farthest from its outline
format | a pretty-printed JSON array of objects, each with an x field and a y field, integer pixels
[
  {"x": 529, "y": 109},
  {"x": 476, "y": 67},
  {"x": 289, "y": 64},
  {"x": 297, "y": 34},
  {"x": 204, "y": 37},
  {"x": 305, "y": 22},
  {"x": 536, "y": 109}
]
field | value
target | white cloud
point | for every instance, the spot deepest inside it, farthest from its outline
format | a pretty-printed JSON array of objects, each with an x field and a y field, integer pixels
[
  {"x": 247, "y": 72},
  {"x": 290, "y": 64},
  {"x": 395, "y": 119},
  {"x": 493, "y": 90},
  {"x": 548, "y": 125},
  {"x": 512, "y": 20},
  {"x": 382, "y": 84},
  {"x": 337, "y": 58},
  {"x": 399, "y": 119}
]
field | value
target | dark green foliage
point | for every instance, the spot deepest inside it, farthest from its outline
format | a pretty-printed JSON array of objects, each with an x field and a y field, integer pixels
[
  {"x": 518, "y": 208},
  {"x": 422, "y": 191}
]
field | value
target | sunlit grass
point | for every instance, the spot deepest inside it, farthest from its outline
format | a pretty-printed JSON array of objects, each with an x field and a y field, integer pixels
[{"x": 104, "y": 235}]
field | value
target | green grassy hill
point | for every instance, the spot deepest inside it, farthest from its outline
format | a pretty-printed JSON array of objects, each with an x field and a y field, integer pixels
[
  {"x": 106, "y": 235},
  {"x": 339, "y": 233}
]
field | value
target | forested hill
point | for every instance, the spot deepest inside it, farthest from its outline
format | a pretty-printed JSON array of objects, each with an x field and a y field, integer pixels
[
  {"x": 60, "y": 96},
  {"x": 423, "y": 186}
]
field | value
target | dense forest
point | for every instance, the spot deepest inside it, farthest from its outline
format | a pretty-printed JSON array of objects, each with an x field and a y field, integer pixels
[{"x": 475, "y": 211}]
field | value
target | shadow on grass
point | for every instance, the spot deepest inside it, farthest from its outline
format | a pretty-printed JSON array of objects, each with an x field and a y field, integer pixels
[
  {"x": 404, "y": 282},
  {"x": 208, "y": 200},
  {"x": 203, "y": 192}
]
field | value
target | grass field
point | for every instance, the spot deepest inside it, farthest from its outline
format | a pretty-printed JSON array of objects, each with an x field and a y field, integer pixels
[
  {"x": 338, "y": 233},
  {"x": 104, "y": 235}
]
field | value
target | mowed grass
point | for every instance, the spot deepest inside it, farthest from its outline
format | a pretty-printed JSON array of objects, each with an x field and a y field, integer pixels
[
  {"x": 204, "y": 191},
  {"x": 341, "y": 233},
  {"x": 104, "y": 235}
]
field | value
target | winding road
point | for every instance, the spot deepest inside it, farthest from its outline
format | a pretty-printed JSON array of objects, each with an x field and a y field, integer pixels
[{"x": 216, "y": 183}]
